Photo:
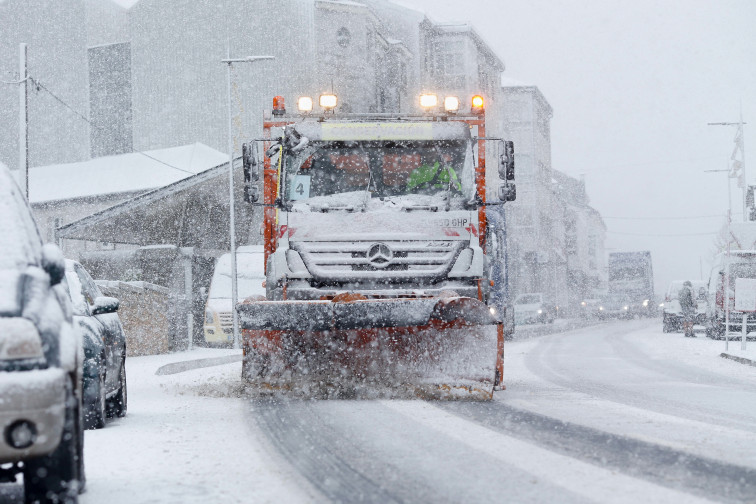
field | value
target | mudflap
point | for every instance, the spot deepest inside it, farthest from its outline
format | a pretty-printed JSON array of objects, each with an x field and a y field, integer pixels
[{"x": 433, "y": 348}]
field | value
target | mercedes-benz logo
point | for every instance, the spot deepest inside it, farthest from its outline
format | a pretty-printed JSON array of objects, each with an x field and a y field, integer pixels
[{"x": 379, "y": 255}]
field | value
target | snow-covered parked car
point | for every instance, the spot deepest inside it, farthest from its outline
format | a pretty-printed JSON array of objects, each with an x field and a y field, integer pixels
[
  {"x": 104, "y": 347},
  {"x": 40, "y": 360},
  {"x": 533, "y": 308},
  {"x": 671, "y": 311}
]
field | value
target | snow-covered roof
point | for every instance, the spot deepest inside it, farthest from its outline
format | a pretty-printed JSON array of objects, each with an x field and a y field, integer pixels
[{"x": 132, "y": 172}]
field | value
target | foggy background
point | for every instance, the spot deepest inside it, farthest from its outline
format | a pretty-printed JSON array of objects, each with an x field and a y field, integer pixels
[{"x": 633, "y": 86}]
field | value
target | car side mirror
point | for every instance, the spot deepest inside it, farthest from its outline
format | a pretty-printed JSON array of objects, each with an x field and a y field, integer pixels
[
  {"x": 105, "y": 304},
  {"x": 53, "y": 263}
]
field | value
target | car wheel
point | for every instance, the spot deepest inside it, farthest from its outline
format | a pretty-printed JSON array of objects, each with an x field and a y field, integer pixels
[
  {"x": 665, "y": 327},
  {"x": 57, "y": 478},
  {"x": 118, "y": 404},
  {"x": 94, "y": 412}
]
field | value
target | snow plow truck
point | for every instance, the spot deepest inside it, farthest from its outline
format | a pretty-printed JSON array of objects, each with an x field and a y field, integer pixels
[{"x": 379, "y": 253}]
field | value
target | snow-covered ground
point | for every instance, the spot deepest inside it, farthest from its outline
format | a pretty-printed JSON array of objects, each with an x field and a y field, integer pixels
[
  {"x": 184, "y": 440},
  {"x": 188, "y": 437}
]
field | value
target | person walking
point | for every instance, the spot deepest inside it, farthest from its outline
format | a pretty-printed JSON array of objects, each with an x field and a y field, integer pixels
[{"x": 688, "y": 307}]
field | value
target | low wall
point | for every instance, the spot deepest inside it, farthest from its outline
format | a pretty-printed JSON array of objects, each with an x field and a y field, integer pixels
[{"x": 144, "y": 311}]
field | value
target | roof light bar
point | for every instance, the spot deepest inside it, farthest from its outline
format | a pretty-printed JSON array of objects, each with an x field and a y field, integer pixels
[
  {"x": 478, "y": 104},
  {"x": 279, "y": 107},
  {"x": 428, "y": 101},
  {"x": 451, "y": 104},
  {"x": 328, "y": 101},
  {"x": 304, "y": 104}
]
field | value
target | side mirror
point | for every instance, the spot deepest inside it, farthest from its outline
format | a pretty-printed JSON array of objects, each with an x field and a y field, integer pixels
[
  {"x": 105, "y": 304},
  {"x": 251, "y": 172},
  {"x": 249, "y": 161},
  {"x": 507, "y": 192},
  {"x": 507, "y": 162},
  {"x": 251, "y": 193},
  {"x": 53, "y": 263}
]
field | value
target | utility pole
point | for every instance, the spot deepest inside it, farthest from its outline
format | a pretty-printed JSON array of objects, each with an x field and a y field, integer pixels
[
  {"x": 738, "y": 165},
  {"x": 23, "y": 128}
]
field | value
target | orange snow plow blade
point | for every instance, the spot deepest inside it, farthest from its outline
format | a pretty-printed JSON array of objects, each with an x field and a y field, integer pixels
[{"x": 442, "y": 348}]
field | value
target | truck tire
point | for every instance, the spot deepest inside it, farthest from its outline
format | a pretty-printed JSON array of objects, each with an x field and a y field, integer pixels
[{"x": 58, "y": 477}]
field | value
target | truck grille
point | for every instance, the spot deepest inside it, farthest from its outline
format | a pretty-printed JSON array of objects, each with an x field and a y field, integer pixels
[{"x": 400, "y": 260}]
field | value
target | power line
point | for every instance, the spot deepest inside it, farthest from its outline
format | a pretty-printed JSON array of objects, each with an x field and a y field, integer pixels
[
  {"x": 665, "y": 235},
  {"x": 668, "y": 218},
  {"x": 39, "y": 85}
]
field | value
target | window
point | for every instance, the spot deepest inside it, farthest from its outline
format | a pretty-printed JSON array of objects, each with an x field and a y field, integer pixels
[{"x": 450, "y": 62}]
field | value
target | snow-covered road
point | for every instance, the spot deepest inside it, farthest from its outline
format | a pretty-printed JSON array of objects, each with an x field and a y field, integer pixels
[{"x": 615, "y": 413}]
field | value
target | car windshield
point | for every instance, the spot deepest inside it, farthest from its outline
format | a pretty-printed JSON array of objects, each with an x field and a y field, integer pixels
[
  {"x": 380, "y": 169},
  {"x": 246, "y": 286}
]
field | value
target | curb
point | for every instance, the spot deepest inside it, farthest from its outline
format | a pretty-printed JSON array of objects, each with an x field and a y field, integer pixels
[
  {"x": 742, "y": 360},
  {"x": 180, "y": 367}
]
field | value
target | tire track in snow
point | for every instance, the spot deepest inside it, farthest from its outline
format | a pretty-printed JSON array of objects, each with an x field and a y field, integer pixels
[
  {"x": 366, "y": 451},
  {"x": 661, "y": 465}
]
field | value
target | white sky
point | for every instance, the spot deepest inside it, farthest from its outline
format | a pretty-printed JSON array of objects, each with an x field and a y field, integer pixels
[{"x": 633, "y": 85}]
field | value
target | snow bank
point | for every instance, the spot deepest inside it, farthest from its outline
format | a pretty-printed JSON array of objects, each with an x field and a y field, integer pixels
[{"x": 179, "y": 443}]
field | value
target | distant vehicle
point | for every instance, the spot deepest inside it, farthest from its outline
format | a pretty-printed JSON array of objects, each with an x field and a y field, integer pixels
[
  {"x": 615, "y": 305},
  {"x": 742, "y": 264},
  {"x": 250, "y": 274},
  {"x": 631, "y": 277},
  {"x": 104, "y": 343},
  {"x": 589, "y": 307},
  {"x": 40, "y": 360},
  {"x": 534, "y": 308},
  {"x": 671, "y": 311}
]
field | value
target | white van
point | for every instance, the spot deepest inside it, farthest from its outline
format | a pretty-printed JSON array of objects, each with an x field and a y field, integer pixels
[
  {"x": 250, "y": 274},
  {"x": 742, "y": 264}
]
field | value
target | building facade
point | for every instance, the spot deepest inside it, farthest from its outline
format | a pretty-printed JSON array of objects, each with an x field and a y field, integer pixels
[
  {"x": 556, "y": 239},
  {"x": 57, "y": 107}
]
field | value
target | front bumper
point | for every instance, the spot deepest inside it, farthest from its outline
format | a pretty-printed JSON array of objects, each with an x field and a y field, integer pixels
[
  {"x": 37, "y": 396},
  {"x": 309, "y": 316}
]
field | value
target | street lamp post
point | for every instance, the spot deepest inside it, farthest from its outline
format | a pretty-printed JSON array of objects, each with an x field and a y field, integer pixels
[{"x": 232, "y": 228}]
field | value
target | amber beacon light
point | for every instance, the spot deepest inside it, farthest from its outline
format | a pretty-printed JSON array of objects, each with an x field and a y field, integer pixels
[{"x": 477, "y": 104}]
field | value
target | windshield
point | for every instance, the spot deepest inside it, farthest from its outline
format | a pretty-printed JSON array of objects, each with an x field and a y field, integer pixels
[
  {"x": 246, "y": 286},
  {"x": 385, "y": 169}
]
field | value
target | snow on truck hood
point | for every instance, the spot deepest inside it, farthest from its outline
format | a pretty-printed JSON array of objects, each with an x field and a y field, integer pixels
[{"x": 380, "y": 224}]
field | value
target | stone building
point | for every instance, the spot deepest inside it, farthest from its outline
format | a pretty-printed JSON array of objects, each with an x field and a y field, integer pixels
[{"x": 556, "y": 239}]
